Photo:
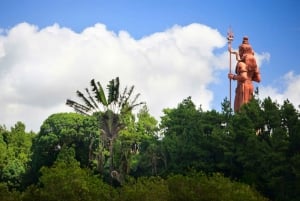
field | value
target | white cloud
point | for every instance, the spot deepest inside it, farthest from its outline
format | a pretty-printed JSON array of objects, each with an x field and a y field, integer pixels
[
  {"x": 293, "y": 88},
  {"x": 41, "y": 68},
  {"x": 261, "y": 58},
  {"x": 291, "y": 84}
]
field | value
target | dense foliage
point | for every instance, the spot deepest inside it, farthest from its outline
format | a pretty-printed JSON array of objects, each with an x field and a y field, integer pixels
[{"x": 191, "y": 155}]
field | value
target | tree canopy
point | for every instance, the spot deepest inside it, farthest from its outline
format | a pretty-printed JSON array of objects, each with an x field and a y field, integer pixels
[{"x": 190, "y": 154}]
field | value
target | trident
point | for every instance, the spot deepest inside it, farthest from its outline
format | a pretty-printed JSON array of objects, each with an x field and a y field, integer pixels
[{"x": 230, "y": 39}]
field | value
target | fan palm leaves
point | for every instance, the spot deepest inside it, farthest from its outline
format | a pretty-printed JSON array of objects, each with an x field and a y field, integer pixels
[{"x": 96, "y": 100}]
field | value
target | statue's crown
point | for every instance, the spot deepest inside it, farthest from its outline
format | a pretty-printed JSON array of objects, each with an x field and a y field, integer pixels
[{"x": 245, "y": 40}]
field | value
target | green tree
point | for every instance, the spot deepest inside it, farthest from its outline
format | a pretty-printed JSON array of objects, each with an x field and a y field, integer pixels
[
  {"x": 146, "y": 155},
  {"x": 264, "y": 148},
  {"x": 9, "y": 195},
  {"x": 248, "y": 145},
  {"x": 198, "y": 186},
  {"x": 124, "y": 148},
  {"x": 146, "y": 124},
  {"x": 15, "y": 147},
  {"x": 195, "y": 139},
  {"x": 112, "y": 108},
  {"x": 284, "y": 175},
  {"x": 145, "y": 188},
  {"x": 63, "y": 129},
  {"x": 182, "y": 136},
  {"x": 66, "y": 181}
]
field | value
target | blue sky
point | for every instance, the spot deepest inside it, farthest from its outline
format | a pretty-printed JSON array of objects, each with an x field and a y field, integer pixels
[{"x": 168, "y": 49}]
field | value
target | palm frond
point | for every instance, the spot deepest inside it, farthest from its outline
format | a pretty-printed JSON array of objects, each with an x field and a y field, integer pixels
[
  {"x": 98, "y": 92},
  {"x": 122, "y": 97},
  {"x": 128, "y": 95},
  {"x": 116, "y": 89},
  {"x": 82, "y": 109},
  {"x": 93, "y": 85},
  {"x": 85, "y": 100},
  {"x": 101, "y": 94},
  {"x": 110, "y": 88},
  {"x": 138, "y": 104},
  {"x": 95, "y": 89},
  {"x": 91, "y": 98},
  {"x": 126, "y": 104},
  {"x": 113, "y": 90},
  {"x": 135, "y": 99},
  {"x": 129, "y": 107}
]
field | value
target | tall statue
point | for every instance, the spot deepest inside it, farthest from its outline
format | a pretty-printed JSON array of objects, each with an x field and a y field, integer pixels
[{"x": 246, "y": 71}]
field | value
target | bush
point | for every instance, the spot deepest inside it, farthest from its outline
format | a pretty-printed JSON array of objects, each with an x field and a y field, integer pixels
[
  {"x": 66, "y": 181},
  {"x": 7, "y": 195},
  {"x": 146, "y": 189},
  {"x": 200, "y": 187}
]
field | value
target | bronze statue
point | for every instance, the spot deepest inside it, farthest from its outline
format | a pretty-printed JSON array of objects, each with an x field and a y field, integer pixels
[{"x": 246, "y": 72}]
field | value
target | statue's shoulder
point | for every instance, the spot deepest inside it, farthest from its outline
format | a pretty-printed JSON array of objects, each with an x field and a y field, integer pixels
[{"x": 241, "y": 67}]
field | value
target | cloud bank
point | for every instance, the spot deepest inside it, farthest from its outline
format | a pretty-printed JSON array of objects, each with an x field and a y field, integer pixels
[
  {"x": 41, "y": 68},
  {"x": 290, "y": 88}
]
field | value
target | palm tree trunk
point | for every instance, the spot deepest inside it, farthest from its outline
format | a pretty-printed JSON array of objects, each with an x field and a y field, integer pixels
[{"x": 111, "y": 152}]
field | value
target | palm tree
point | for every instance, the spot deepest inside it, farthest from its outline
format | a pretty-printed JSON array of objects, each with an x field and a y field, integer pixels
[{"x": 111, "y": 109}]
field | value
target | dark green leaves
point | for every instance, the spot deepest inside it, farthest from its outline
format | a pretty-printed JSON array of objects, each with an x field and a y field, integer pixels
[
  {"x": 98, "y": 92},
  {"x": 113, "y": 90}
]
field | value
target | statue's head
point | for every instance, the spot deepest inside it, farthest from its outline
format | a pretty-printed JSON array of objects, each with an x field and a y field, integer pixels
[
  {"x": 245, "y": 40},
  {"x": 245, "y": 47},
  {"x": 246, "y": 54}
]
